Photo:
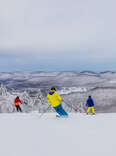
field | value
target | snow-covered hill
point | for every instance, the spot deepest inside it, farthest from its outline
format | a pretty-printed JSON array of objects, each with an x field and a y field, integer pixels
[
  {"x": 79, "y": 135},
  {"x": 73, "y": 86},
  {"x": 33, "y": 79}
]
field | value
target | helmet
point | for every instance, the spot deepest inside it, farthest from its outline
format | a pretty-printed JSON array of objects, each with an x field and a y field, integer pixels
[{"x": 53, "y": 88}]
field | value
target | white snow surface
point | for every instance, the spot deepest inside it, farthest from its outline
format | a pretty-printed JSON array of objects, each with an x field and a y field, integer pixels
[{"x": 79, "y": 135}]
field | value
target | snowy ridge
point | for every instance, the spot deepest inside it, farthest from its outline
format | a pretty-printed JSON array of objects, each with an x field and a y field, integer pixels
[
  {"x": 74, "y": 87},
  {"x": 66, "y": 90}
]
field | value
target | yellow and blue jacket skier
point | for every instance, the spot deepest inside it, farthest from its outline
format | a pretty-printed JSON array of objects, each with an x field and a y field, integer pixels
[
  {"x": 55, "y": 100},
  {"x": 90, "y": 104}
]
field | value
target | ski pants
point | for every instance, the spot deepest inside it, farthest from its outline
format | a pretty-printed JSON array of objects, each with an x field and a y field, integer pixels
[
  {"x": 90, "y": 108},
  {"x": 59, "y": 109},
  {"x": 18, "y": 108}
]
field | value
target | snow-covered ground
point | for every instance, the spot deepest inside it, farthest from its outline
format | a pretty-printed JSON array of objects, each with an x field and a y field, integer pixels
[{"x": 79, "y": 135}]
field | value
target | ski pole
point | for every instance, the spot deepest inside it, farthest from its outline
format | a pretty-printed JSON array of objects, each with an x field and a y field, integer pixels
[
  {"x": 45, "y": 111},
  {"x": 69, "y": 105}
]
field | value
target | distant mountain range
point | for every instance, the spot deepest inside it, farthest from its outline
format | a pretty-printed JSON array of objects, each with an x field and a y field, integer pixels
[{"x": 37, "y": 79}]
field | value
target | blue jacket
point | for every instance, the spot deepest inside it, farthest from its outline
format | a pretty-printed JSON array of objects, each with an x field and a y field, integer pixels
[{"x": 90, "y": 102}]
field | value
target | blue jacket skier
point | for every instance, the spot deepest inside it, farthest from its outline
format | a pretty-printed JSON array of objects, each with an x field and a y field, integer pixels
[{"x": 90, "y": 104}]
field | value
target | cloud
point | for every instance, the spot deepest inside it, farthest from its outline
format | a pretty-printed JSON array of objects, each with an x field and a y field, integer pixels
[
  {"x": 51, "y": 30},
  {"x": 56, "y": 24}
]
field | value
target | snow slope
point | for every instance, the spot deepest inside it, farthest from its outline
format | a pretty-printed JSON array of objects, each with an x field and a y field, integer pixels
[{"x": 79, "y": 135}]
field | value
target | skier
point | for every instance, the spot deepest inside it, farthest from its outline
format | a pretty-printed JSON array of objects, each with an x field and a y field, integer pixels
[
  {"x": 90, "y": 105},
  {"x": 17, "y": 103},
  {"x": 55, "y": 100}
]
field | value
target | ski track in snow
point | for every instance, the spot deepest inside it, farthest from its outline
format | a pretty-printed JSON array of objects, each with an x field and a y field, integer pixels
[{"x": 79, "y": 135}]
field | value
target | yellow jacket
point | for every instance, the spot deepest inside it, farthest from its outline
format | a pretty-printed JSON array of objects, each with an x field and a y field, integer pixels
[{"x": 54, "y": 98}]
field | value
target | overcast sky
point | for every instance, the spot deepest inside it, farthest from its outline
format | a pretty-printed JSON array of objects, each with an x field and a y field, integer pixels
[{"x": 57, "y": 35}]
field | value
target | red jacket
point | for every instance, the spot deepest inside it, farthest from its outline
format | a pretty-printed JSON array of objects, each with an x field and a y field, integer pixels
[{"x": 17, "y": 102}]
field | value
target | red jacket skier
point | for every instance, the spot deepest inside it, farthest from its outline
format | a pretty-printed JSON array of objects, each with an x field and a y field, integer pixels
[{"x": 17, "y": 103}]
